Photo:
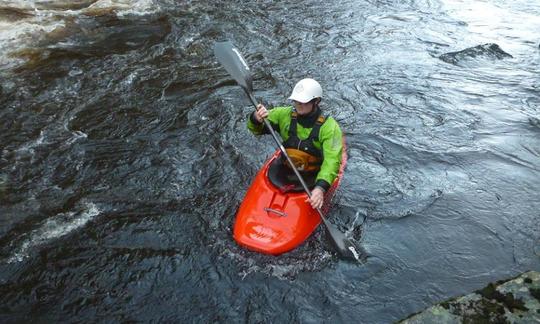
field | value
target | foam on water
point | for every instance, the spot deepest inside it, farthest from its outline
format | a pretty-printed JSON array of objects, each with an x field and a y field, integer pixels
[
  {"x": 127, "y": 7},
  {"x": 53, "y": 228},
  {"x": 29, "y": 24}
]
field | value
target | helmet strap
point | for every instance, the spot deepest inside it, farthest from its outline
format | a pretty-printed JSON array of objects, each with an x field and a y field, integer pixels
[{"x": 315, "y": 104}]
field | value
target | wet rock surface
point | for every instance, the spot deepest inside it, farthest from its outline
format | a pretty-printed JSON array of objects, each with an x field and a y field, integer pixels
[
  {"x": 488, "y": 51},
  {"x": 512, "y": 301}
]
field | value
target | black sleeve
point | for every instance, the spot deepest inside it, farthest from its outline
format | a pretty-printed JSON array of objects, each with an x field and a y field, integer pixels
[
  {"x": 253, "y": 119},
  {"x": 323, "y": 184},
  {"x": 264, "y": 130}
]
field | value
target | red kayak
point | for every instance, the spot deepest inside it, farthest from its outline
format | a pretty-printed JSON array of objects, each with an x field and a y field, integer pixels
[{"x": 275, "y": 217}]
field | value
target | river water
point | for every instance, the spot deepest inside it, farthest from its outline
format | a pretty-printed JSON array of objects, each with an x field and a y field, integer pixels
[{"x": 124, "y": 156}]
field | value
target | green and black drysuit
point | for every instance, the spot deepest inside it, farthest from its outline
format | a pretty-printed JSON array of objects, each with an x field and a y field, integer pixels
[{"x": 328, "y": 142}]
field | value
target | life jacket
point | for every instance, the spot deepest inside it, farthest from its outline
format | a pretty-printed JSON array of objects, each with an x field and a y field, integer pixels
[{"x": 303, "y": 153}]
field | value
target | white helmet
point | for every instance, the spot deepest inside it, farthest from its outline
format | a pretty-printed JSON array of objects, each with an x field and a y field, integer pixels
[{"x": 306, "y": 90}]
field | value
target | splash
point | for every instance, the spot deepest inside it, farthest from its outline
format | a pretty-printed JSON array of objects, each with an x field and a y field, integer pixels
[
  {"x": 54, "y": 228},
  {"x": 122, "y": 8}
]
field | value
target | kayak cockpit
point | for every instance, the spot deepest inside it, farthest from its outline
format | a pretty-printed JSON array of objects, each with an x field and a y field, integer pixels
[{"x": 284, "y": 179}]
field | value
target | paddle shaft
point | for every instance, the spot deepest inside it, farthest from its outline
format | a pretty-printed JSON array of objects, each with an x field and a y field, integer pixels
[{"x": 284, "y": 152}]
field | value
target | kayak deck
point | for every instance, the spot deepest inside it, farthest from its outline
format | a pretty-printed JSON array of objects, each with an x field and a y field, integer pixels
[{"x": 274, "y": 220}]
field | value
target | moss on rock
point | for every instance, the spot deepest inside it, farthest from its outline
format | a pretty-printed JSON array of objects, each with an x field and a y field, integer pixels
[{"x": 512, "y": 301}]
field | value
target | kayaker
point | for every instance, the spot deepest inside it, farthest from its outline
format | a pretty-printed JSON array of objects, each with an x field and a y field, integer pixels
[{"x": 313, "y": 141}]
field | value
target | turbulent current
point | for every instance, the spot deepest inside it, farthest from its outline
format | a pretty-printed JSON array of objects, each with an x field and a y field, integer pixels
[{"x": 124, "y": 156}]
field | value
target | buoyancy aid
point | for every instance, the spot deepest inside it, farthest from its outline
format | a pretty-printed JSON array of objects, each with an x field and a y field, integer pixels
[{"x": 303, "y": 153}]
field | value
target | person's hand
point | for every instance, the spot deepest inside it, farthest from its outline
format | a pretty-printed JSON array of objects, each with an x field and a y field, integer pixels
[
  {"x": 317, "y": 198},
  {"x": 261, "y": 113}
]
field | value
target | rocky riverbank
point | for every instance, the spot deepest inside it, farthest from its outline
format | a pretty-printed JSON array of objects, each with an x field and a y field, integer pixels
[{"x": 511, "y": 301}]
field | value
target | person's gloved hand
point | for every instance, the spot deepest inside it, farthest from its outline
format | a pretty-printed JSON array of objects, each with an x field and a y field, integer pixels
[
  {"x": 317, "y": 198},
  {"x": 261, "y": 113}
]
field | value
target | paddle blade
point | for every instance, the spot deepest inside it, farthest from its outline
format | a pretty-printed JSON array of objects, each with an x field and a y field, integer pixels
[
  {"x": 231, "y": 59},
  {"x": 343, "y": 245}
]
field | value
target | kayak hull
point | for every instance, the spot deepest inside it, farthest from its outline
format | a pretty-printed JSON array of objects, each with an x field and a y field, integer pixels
[{"x": 273, "y": 221}]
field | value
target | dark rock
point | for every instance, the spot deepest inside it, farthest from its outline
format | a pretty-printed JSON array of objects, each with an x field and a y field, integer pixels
[
  {"x": 508, "y": 300},
  {"x": 512, "y": 301},
  {"x": 535, "y": 292},
  {"x": 488, "y": 51},
  {"x": 534, "y": 121}
]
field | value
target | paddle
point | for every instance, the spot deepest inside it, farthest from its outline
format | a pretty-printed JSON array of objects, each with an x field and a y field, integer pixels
[{"x": 236, "y": 65}]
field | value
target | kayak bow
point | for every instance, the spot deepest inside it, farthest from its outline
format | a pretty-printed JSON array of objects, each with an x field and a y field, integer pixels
[{"x": 275, "y": 218}]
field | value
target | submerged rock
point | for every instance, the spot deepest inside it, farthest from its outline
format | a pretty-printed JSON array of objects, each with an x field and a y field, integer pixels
[
  {"x": 512, "y": 301},
  {"x": 490, "y": 50}
]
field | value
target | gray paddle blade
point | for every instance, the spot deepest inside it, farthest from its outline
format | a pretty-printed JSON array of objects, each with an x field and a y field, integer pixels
[
  {"x": 231, "y": 59},
  {"x": 342, "y": 244}
]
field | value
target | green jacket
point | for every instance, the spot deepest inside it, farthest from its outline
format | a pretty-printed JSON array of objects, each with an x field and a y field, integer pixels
[{"x": 330, "y": 139}]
